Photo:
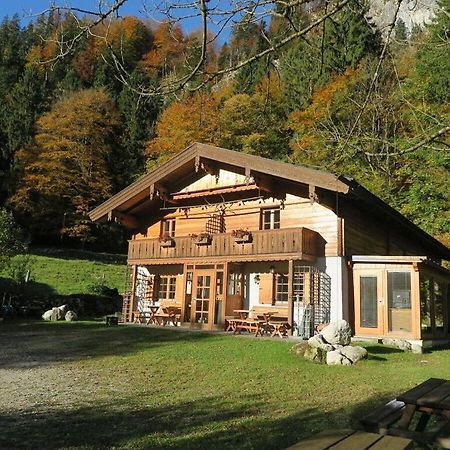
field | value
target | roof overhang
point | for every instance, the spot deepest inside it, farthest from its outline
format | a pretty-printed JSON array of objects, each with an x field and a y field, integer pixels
[{"x": 199, "y": 159}]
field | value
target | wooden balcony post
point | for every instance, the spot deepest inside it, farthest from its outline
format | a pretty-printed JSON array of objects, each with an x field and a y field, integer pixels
[{"x": 291, "y": 296}]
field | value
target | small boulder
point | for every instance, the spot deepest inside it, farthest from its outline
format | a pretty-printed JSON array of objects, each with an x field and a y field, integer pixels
[
  {"x": 336, "y": 358},
  {"x": 315, "y": 354},
  {"x": 71, "y": 316},
  {"x": 338, "y": 332},
  {"x": 318, "y": 341},
  {"x": 52, "y": 315},
  {"x": 62, "y": 310},
  {"x": 47, "y": 315},
  {"x": 300, "y": 348},
  {"x": 354, "y": 354}
]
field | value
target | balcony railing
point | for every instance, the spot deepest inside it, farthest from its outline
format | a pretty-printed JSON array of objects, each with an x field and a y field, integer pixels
[{"x": 266, "y": 245}]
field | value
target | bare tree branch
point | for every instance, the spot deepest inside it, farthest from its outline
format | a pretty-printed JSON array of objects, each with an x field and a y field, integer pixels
[
  {"x": 211, "y": 15},
  {"x": 423, "y": 142}
]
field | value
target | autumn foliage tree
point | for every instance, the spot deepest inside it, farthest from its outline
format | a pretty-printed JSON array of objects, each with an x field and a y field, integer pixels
[
  {"x": 66, "y": 170},
  {"x": 193, "y": 119},
  {"x": 167, "y": 52}
]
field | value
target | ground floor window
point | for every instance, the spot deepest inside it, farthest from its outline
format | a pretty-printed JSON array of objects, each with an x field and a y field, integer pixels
[
  {"x": 434, "y": 295},
  {"x": 281, "y": 288},
  {"x": 167, "y": 287}
]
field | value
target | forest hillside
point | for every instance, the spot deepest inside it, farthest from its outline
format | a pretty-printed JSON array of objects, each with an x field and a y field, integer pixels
[{"x": 72, "y": 132}]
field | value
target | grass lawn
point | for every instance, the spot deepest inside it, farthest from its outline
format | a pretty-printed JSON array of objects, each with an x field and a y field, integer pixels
[
  {"x": 84, "y": 385},
  {"x": 63, "y": 271}
]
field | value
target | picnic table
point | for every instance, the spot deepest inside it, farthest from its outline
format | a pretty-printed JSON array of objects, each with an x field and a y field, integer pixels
[
  {"x": 430, "y": 398},
  {"x": 167, "y": 314},
  {"x": 242, "y": 313},
  {"x": 352, "y": 440}
]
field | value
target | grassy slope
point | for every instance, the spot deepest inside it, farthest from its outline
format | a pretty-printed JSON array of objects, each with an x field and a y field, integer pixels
[
  {"x": 138, "y": 387},
  {"x": 74, "y": 272}
]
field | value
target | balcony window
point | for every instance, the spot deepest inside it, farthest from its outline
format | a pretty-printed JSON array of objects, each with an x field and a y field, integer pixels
[
  {"x": 168, "y": 227},
  {"x": 270, "y": 219}
]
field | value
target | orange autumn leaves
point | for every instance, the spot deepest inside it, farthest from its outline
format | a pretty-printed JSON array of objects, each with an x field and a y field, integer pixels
[
  {"x": 250, "y": 123},
  {"x": 67, "y": 167}
]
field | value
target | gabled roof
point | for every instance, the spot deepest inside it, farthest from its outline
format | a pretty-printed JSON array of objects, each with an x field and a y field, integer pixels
[
  {"x": 185, "y": 168},
  {"x": 181, "y": 169}
]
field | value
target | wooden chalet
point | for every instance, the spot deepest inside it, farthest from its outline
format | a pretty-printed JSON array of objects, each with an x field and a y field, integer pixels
[{"x": 215, "y": 231}]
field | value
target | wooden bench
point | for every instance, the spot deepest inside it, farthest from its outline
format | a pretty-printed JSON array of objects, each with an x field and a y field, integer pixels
[
  {"x": 280, "y": 326},
  {"x": 248, "y": 325},
  {"x": 230, "y": 323},
  {"x": 380, "y": 419},
  {"x": 352, "y": 440}
]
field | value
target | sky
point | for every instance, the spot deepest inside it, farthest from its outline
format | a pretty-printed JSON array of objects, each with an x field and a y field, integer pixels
[
  {"x": 27, "y": 8},
  {"x": 24, "y": 8}
]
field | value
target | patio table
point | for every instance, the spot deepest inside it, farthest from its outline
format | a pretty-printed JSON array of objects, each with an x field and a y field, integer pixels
[
  {"x": 242, "y": 313},
  {"x": 151, "y": 314}
]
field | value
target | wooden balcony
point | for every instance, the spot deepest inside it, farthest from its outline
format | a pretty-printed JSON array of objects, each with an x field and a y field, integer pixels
[{"x": 266, "y": 245}]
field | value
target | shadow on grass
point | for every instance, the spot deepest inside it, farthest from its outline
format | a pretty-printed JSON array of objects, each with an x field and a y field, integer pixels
[
  {"x": 382, "y": 350},
  {"x": 38, "y": 344},
  {"x": 211, "y": 422}
]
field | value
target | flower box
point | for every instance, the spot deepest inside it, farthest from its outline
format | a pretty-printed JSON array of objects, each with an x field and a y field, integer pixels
[
  {"x": 202, "y": 238},
  {"x": 165, "y": 240},
  {"x": 167, "y": 243},
  {"x": 242, "y": 236}
]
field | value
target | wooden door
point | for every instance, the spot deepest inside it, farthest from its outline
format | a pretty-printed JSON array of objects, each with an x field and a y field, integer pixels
[
  {"x": 369, "y": 303},
  {"x": 202, "y": 309}
]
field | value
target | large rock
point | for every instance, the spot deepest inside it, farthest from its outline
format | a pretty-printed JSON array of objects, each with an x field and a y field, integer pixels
[
  {"x": 318, "y": 341},
  {"x": 354, "y": 354},
  {"x": 336, "y": 358},
  {"x": 51, "y": 315},
  {"x": 315, "y": 354},
  {"x": 71, "y": 316},
  {"x": 338, "y": 333}
]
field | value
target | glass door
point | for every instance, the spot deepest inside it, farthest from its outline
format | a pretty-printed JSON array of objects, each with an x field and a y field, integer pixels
[
  {"x": 369, "y": 303},
  {"x": 399, "y": 301},
  {"x": 203, "y": 296}
]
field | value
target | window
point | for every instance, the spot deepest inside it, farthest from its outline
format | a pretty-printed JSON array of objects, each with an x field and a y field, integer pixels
[
  {"x": 440, "y": 293},
  {"x": 270, "y": 219},
  {"x": 425, "y": 303},
  {"x": 399, "y": 290},
  {"x": 168, "y": 227},
  {"x": 281, "y": 288},
  {"x": 234, "y": 283},
  {"x": 399, "y": 301},
  {"x": 166, "y": 289},
  {"x": 369, "y": 299}
]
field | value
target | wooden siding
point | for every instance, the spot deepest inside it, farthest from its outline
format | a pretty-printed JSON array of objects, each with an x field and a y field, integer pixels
[
  {"x": 294, "y": 243},
  {"x": 366, "y": 235}
]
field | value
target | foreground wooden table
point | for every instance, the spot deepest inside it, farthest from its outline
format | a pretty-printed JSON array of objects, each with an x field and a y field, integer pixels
[
  {"x": 432, "y": 397},
  {"x": 352, "y": 440}
]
